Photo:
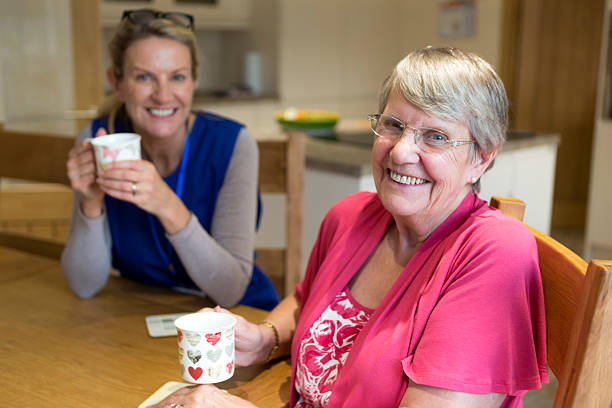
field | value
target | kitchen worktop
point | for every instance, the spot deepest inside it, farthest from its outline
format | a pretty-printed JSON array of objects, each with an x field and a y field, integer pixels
[
  {"x": 339, "y": 166},
  {"x": 342, "y": 155},
  {"x": 49, "y": 125}
]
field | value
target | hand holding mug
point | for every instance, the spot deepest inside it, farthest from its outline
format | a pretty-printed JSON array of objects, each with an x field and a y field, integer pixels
[
  {"x": 138, "y": 182},
  {"x": 81, "y": 169},
  {"x": 248, "y": 339},
  {"x": 123, "y": 175},
  {"x": 206, "y": 347}
]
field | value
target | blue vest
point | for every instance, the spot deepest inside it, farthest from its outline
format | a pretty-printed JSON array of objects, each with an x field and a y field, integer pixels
[{"x": 140, "y": 249}]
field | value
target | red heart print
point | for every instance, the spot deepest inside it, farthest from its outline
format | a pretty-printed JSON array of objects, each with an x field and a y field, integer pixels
[
  {"x": 180, "y": 335},
  {"x": 229, "y": 366},
  {"x": 112, "y": 153},
  {"x": 195, "y": 372},
  {"x": 213, "y": 338}
]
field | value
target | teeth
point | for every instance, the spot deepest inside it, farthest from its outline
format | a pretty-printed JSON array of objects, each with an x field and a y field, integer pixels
[
  {"x": 406, "y": 179},
  {"x": 161, "y": 112}
]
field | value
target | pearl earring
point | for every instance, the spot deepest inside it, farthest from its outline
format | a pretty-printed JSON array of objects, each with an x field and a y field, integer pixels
[{"x": 473, "y": 180}]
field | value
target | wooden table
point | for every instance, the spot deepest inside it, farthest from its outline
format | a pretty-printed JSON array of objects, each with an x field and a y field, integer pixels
[{"x": 57, "y": 350}]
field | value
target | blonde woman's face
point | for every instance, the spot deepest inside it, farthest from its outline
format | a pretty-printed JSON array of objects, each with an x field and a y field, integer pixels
[{"x": 157, "y": 86}]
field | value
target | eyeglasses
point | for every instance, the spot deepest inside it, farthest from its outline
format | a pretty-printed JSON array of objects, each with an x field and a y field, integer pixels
[
  {"x": 427, "y": 139},
  {"x": 143, "y": 17}
]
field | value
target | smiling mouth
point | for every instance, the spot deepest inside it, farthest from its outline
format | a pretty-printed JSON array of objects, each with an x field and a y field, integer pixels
[
  {"x": 405, "y": 179},
  {"x": 161, "y": 112}
]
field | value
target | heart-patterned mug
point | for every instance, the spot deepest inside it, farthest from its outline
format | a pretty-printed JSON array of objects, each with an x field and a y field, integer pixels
[
  {"x": 115, "y": 147},
  {"x": 206, "y": 346}
]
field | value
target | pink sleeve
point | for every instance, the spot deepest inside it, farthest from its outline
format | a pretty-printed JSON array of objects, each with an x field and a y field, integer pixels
[{"x": 486, "y": 331}]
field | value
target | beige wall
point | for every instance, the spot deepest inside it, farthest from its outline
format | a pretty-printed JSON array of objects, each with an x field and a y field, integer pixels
[
  {"x": 336, "y": 54},
  {"x": 598, "y": 236},
  {"x": 35, "y": 58},
  {"x": 420, "y": 28},
  {"x": 2, "y": 110},
  {"x": 330, "y": 55}
]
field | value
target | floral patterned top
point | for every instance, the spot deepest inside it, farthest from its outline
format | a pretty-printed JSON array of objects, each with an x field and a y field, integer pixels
[{"x": 325, "y": 348}]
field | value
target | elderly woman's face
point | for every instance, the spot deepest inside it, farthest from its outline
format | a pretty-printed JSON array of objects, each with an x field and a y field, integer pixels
[
  {"x": 157, "y": 86},
  {"x": 411, "y": 182}
]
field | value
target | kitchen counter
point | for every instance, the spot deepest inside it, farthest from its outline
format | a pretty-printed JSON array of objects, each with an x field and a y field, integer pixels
[
  {"x": 525, "y": 169},
  {"x": 50, "y": 125},
  {"x": 343, "y": 156},
  {"x": 339, "y": 157}
]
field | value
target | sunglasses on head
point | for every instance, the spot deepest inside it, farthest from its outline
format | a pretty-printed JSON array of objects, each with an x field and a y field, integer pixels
[{"x": 143, "y": 17}]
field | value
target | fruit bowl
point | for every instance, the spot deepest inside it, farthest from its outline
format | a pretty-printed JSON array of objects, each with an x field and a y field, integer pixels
[{"x": 317, "y": 123}]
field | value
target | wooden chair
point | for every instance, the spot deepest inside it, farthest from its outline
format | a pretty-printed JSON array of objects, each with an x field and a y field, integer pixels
[
  {"x": 281, "y": 170},
  {"x": 578, "y": 318},
  {"x": 37, "y": 158}
]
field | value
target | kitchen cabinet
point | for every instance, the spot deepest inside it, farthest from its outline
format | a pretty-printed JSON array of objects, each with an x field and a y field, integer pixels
[
  {"x": 525, "y": 169},
  {"x": 208, "y": 14}
]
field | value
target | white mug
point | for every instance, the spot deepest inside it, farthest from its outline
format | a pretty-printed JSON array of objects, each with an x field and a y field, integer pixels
[
  {"x": 206, "y": 346},
  {"x": 115, "y": 147}
]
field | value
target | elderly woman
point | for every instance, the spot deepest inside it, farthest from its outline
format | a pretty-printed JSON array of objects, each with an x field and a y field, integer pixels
[
  {"x": 185, "y": 215},
  {"x": 420, "y": 295}
]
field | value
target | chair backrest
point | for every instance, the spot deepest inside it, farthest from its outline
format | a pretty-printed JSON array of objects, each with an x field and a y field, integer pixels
[
  {"x": 578, "y": 318},
  {"x": 37, "y": 158},
  {"x": 33, "y": 156},
  {"x": 281, "y": 170}
]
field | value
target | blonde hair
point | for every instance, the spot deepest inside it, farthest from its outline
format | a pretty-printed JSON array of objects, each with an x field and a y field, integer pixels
[
  {"x": 124, "y": 36},
  {"x": 457, "y": 86}
]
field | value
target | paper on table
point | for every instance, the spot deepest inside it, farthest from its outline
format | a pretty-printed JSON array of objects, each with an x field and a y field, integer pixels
[
  {"x": 163, "y": 391},
  {"x": 162, "y": 325}
]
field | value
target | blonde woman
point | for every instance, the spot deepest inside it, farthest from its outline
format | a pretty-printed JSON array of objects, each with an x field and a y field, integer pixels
[{"x": 185, "y": 215}]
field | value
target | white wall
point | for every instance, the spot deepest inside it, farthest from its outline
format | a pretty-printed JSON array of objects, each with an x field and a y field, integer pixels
[{"x": 335, "y": 54}]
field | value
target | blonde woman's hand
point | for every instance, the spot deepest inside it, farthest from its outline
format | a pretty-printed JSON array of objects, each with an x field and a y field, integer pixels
[
  {"x": 81, "y": 170},
  {"x": 138, "y": 182}
]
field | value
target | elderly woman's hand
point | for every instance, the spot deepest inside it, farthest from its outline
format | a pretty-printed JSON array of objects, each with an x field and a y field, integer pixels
[
  {"x": 202, "y": 396},
  {"x": 248, "y": 339},
  {"x": 81, "y": 170}
]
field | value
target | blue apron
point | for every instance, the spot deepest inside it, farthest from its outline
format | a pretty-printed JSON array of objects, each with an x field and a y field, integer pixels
[{"x": 140, "y": 249}]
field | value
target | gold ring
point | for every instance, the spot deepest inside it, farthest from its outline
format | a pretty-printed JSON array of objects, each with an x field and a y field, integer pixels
[{"x": 134, "y": 188}]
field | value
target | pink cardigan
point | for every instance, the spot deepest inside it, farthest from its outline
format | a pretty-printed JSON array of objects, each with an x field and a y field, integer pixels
[{"x": 466, "y": 314}]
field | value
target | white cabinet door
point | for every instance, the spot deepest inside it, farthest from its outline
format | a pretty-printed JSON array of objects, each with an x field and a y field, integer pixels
[
  {"x": 208, "y": 14},
  {"x": 231, "y": 14},
  {"x": 529, "y": 175},
  {"x": 111, "y": 10}
]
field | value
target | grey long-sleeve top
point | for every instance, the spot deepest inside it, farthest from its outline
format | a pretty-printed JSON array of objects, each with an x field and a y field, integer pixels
[{"x": 219, "y": 263}]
